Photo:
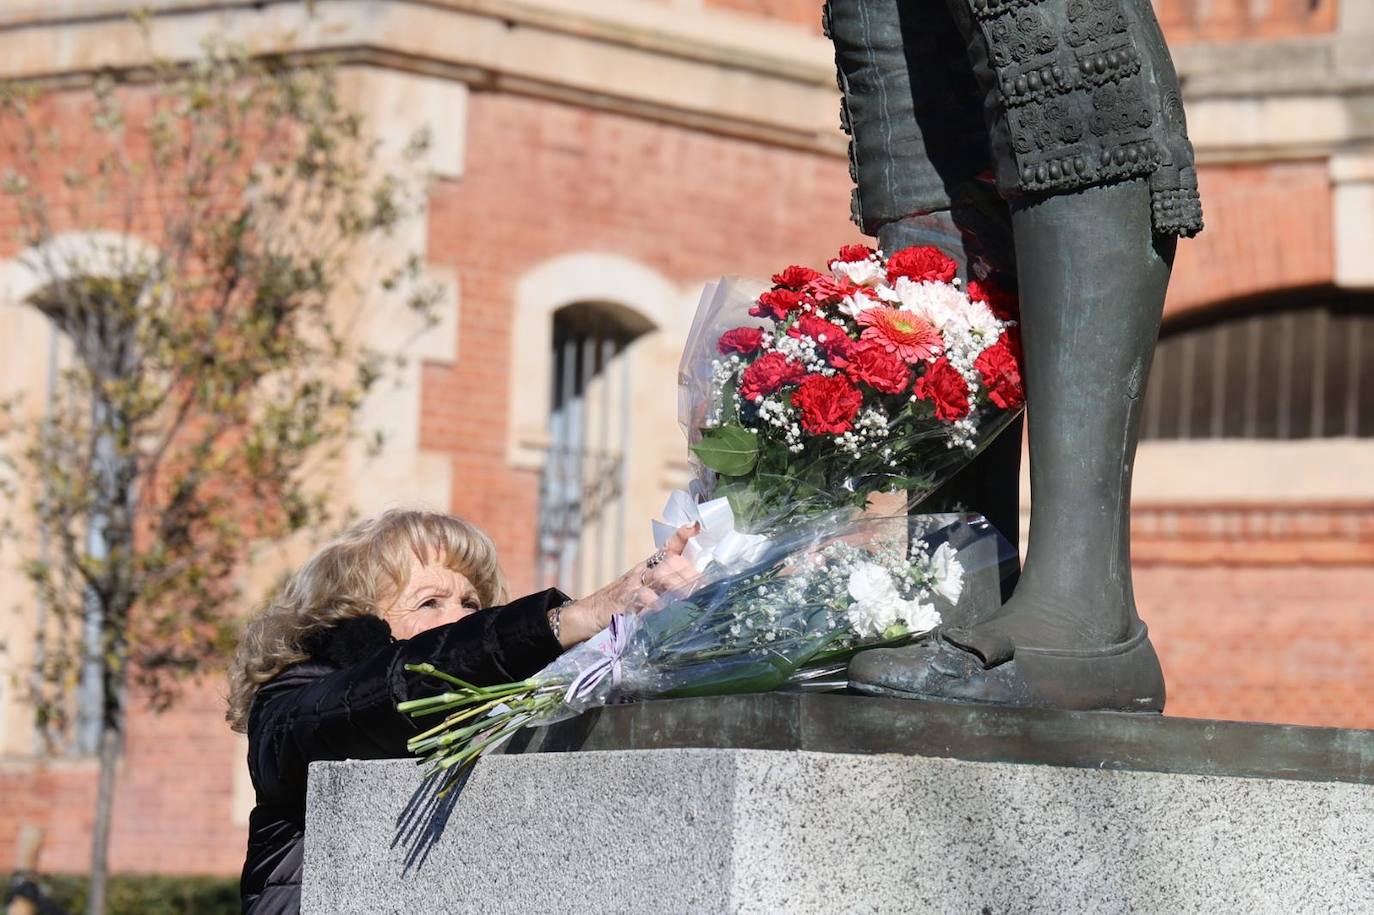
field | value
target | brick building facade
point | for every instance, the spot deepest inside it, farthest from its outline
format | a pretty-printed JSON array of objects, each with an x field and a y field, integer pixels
[{"x": 608, "y": 157}]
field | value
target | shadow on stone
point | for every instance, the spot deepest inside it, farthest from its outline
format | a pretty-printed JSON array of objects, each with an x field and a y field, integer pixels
[{"x": 423, "y": 820}]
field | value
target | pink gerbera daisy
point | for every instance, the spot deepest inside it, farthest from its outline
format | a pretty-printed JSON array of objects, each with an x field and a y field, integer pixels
[{"x": 910, "y": 338}]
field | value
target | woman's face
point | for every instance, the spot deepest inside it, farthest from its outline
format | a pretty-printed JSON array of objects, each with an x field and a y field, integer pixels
[{"x": 432, "y": 596}]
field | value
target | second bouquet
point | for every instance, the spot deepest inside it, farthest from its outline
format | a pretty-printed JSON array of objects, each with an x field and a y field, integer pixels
[{"x": 797, "y": 614}]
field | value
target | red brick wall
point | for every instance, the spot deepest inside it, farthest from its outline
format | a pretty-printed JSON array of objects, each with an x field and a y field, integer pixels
[
  {"x": 545, "y": 179},
  {"x": 1264, "y": 643},
  {"x": 1268, "y": 228},
  {"x": 172, "y": 805},
  {"x": 1261, "y": 612},
  {"x": 1234, "y": 538}
]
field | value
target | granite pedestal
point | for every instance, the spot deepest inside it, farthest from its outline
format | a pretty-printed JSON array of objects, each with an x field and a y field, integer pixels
[{"x": 787, "y": 803}]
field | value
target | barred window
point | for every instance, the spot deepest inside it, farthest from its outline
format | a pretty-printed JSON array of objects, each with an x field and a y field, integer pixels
[
  {"x": 582, "y": 489},
  {"x": 1281, "y": 370}
]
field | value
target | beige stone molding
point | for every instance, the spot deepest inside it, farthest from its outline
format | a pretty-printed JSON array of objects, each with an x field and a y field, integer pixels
[
  {"x": 1249, "y": 116},
  {"x": 1208, "y": 471},
  {"x": 1239, "y": 476},
  {"x": 1282, "y": 99},
  {"x": 1352, "y": 181},
  {"x": 400, "y": 104},
  {"x": 705, "y": 69}
]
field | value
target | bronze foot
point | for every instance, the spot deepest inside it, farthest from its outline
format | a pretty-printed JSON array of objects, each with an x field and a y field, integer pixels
[{"x": 984, "y": 666}]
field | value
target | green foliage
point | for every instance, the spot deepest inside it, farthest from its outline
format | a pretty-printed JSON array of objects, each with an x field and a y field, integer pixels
[
  {"x": 730, "y": 450},
  {"x": 215, "y": 369},
  {"x": 137, "y": 894}
]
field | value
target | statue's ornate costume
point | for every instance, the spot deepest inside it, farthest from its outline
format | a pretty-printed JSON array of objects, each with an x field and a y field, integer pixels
[{"x": 1044, "y": 96}]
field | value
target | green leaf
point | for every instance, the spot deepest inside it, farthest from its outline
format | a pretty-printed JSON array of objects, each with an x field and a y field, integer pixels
[{"x": 730, "y": 450}]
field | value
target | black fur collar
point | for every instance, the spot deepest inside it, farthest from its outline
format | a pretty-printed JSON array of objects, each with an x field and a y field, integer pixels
[{"x": 348, "y": 641}]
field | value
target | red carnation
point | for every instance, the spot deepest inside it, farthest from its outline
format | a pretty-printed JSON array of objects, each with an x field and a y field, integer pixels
[
  {"x": 770, "y": 372},
  {"x": 827, "y": 289},
  {"x": 833, "y": 339},
  {"x": 828, "y": 403},
  {"x": 1001, "y": 374},
  {"x": 943, "y": 386},
  {"x": 877, "y": 368},
  {"x": 778, "y": 304},
  {"x": 921, "y": 263},
  {"x": 795, "y": 277},
  {"x": 850, "y": 253},
  {"x": 746, "y": 340},
  {"x": 991, "y": 293}
]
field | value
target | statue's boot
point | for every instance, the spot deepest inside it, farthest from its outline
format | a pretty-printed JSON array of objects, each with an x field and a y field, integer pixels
[{"x": 1092, "y": 280}]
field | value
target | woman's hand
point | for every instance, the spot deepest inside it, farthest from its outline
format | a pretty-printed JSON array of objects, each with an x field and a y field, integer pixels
[{"x": 632, "y": 592}]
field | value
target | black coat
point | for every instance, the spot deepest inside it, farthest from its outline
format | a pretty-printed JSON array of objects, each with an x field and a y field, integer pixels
[{"x": 323, "y": 709}]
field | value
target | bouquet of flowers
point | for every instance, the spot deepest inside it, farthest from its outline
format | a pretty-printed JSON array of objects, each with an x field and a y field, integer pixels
[
  {"x": 884, "y": 374},
  {"x": 792, "y": 618}
]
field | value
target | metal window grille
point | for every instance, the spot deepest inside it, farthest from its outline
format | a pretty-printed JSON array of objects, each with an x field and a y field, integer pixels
[
  {"x": 1281, "y": 373},
  {"x": 583, "y": 485}
]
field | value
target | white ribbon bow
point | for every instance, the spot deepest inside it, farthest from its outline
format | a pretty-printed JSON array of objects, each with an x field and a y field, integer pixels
[{"x": 717, "y": 541}]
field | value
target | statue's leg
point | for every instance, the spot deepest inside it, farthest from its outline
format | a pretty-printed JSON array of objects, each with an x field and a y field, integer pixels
[
  {"x": 1089, "y": 146},
  {"x": 919, "y": 155},
  {"x": 1092, "y": 292}
]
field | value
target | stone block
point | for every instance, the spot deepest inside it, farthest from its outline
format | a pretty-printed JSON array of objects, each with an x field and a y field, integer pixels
[{"x": 743, "y": 830}]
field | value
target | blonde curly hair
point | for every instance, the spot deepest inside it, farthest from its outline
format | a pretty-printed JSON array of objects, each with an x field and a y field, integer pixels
[{"x": 360, "y": 572}]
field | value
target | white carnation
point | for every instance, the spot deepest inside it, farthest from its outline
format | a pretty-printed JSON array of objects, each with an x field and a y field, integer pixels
[
  {"x": 851, "y": 305},
  {"x": 939, "y": 303},
  {"x": 861, "y": 273},
  {"x": 870, "y": 583},
  {"x": 876, "y": 601},
  {"x": 921, "y": 617},
  {"x": 982, "y": 322},
  {"x": 878, "y": 606}
]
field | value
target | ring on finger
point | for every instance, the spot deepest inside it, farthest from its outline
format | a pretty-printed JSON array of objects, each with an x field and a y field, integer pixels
[{"x": 649, "y": 565}]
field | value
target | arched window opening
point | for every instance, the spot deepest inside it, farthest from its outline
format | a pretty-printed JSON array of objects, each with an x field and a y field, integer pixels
[
  {"x": 1279, "y": 370},
  {"x": 583, "y": 485},
  {"x": 83, "y": 295}
]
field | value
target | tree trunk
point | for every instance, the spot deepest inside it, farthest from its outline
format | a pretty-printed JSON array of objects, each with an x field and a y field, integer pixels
[
  {"x": 104, "y": 806},
  {"x": 111, "y": 534}
]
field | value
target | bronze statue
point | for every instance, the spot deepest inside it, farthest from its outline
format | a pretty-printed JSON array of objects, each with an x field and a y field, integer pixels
[{"x": 1043, "y": 143}]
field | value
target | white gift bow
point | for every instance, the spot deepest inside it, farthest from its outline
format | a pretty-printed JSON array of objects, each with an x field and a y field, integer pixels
[
  {"x": 718, "y": 541},
  {"x": 608, "y": 644}
]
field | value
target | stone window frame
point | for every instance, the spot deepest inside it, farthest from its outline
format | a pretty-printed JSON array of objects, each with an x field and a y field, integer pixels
[
  {"x": 657, "y": 463},
  {"x": 23, "y": 276},
  {"x": 542, "y": 291}
]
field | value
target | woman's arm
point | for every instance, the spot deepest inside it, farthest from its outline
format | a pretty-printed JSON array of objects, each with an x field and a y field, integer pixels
[
  {"x": 351, "y": 713},
  {"x": 301, "y": 716}
]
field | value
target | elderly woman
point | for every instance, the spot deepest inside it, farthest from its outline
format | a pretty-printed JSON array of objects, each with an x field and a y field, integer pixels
[{"x": 319, "y": 673}]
